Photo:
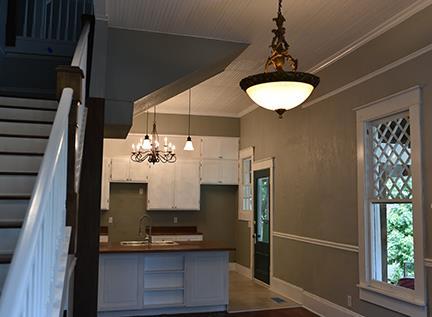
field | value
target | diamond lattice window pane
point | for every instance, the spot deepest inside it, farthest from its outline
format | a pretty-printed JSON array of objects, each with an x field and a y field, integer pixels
[{"x": 390, "y": 153}]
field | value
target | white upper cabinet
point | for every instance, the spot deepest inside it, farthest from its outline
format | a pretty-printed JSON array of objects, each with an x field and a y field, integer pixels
[
  {"x": 220, "y": 148},
  {"x": 105, "y": 186},
  {"x": 124, "y": 170},
  {"x": 219, "y": 172},
  {"x": 174, "y": 186}
]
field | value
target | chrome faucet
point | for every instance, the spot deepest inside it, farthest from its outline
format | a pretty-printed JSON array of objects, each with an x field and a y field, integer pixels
[{"x": 147, "y": 236}]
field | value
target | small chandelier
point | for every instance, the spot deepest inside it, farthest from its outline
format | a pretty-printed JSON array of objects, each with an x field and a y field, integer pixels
[
  {"x": 280, "y": 90},
  {"x": 147, "y": 149}
]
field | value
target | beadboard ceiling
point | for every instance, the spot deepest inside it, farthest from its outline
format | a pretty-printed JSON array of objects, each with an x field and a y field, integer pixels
[{"x": 316, "y": 30}]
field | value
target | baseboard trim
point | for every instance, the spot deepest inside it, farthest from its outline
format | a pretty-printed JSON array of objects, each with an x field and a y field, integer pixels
[
  {"x": 309, "y": 301},
  {"x": 243, "y": 270},
  {"x": 232, "y": 266}
]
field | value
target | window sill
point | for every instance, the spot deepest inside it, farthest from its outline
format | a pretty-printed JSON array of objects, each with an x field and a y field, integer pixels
[{"x": 407, "y": 305}]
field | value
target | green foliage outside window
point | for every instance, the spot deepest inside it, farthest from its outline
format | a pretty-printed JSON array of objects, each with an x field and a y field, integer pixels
[{"x": 400, "y": 241}]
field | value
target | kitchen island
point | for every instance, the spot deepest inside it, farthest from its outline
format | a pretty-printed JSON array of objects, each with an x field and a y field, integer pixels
[{"x": 163, "y": 279}]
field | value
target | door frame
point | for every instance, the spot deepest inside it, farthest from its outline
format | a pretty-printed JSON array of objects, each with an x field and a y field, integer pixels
[{"x": 256, "y": 166}]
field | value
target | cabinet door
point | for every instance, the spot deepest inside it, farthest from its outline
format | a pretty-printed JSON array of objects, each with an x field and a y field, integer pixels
[
  {"x": 211, "y": 172},
  {"x": 120, "y": 169},
  {"x": 229, "y": 148},
  {"x": 211, "y": 148},
  {"x": 229, "y": 172},
  {"x": 187, "y": 185},
  {"x": 120, "y": 282},
  {"x": 139, "y": 172},
  {"x": 105, "y": 188},
  {"x": 161, "y": 187},
  {"x": 206, "y": 279}
]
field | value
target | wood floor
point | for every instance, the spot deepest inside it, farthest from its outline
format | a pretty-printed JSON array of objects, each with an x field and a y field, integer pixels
[{"x": 245, "y": 295}]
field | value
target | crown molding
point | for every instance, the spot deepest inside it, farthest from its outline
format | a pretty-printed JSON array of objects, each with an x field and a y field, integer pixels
[{"x": 395, "y": 20}]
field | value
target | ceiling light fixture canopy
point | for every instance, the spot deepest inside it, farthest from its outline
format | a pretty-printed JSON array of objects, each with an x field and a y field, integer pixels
[{"x": 279, "y": 90}]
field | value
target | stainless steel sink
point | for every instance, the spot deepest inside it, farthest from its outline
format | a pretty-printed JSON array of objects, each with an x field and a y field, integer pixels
[
  {"x": 166, "y": 242},
  {"x": 142, "y": 243}
]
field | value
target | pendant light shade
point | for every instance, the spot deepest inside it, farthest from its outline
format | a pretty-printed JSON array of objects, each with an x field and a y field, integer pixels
[
  {"x": 189, "y": 145},
  {"x": 280, "y": 90}
]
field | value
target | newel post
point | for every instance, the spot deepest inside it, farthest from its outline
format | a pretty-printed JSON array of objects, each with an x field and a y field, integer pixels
[{"x": 71, "y": 77}]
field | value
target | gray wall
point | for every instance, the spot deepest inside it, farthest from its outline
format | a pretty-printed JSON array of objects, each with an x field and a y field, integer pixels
[
  {"x": 216, "y": 219},
  {"x": 315, "y": 164},
  {"x": 147, "y": 68}
]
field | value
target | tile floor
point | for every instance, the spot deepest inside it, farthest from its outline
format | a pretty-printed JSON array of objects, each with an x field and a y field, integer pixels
[{"x": 246, "y": 295}]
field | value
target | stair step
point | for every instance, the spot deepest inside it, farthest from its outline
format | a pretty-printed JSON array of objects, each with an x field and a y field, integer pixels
[
  {"x": 29, "y": 103},
  {"x": 4, "y": 268},
  {"x": 25, "y": 163},
  {"x": 24, "y": 128},
  {"x": 26, "y": 114},
  {"x": 5, "y": 258},
  {"x": 11, "y": 208},
  {"x": 8, "y": 239},
  {"x": 17, "y": 184},
  {"x": 22, "y": 144},
  {"x": 10, "y": 223},
  {"x": 27, "y": 121}
]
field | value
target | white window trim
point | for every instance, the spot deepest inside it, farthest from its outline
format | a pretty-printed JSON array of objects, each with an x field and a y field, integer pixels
[
  {"x": 245, "y": 215},
  {"x": 412, "y": 303}
]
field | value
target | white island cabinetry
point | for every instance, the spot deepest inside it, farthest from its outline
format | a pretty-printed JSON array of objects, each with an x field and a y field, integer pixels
[{"x": 154, "y": 283}]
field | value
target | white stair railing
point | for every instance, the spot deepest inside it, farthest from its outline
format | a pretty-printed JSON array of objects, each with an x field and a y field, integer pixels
[{"x": 34, "y": 285}]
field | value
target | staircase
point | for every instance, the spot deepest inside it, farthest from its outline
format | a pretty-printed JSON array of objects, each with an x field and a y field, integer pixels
[{"x": 25, "y": 125}]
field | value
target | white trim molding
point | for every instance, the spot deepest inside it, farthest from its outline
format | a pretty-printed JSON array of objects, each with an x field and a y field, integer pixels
[
  {"x": 428, "y": 263},
  {"x": 318, "y": 305},
  {"x": 395, "y": 20},
  {"x": 369, "y": 76},
  {"x": 323, "y": 243},
  {"x": 406, "y": 301},
  {"x": 244, "y": 154}
]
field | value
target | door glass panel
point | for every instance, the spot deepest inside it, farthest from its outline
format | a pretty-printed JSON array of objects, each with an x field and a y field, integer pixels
[
  {"x": 247, "y": 183},
  {"x": 263, "y": 210}
]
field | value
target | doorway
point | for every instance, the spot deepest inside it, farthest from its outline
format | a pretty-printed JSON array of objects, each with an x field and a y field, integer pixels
[{"x": 262, "y": 228}]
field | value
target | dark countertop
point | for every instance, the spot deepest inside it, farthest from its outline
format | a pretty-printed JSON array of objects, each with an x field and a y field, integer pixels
[{"x": 190, "y": 246}]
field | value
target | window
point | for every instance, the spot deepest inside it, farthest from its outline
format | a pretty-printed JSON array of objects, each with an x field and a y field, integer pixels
[
  {"x": 246, "y": 184},
  {"x": 390, "y": 203}
]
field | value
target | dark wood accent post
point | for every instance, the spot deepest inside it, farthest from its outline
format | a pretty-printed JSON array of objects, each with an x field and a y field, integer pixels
[
  {"x": 87, "y": 253},
  {"x": 72, "y": 77},
  {"x": 11, "y": 23}
]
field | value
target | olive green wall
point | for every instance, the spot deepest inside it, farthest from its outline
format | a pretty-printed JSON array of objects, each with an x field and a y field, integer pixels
[
  {"x": 216, "y": 219},
  {"x": 315, "y": 164},
  {"x": 200, "y": 125}
]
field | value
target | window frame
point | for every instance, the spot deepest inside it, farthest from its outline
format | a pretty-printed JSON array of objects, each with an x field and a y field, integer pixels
[
  {"x": 410, "y": 302},
  {"x": 246, "y": 153}
]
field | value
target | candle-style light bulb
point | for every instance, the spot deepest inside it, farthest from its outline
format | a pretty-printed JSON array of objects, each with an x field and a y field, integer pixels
[
  {"x": 173, "y": 149},
  {"x": 165, "y": 141},
  {"x": 133, "y": 148}
]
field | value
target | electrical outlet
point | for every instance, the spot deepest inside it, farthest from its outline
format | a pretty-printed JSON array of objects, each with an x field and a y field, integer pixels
[
  {"x": 349, "y": 301},
  {"x": 175, "y": 219},
  {"x": 141, "y": 191},
  {"x": 110, "y": 220}
]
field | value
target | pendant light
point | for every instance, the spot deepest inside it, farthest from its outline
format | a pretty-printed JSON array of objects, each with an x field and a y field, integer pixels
[
  {"x": 189, "y": 145},
  {"x": 279, "y": 90},
  {"x": 146, "y": 143}
]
